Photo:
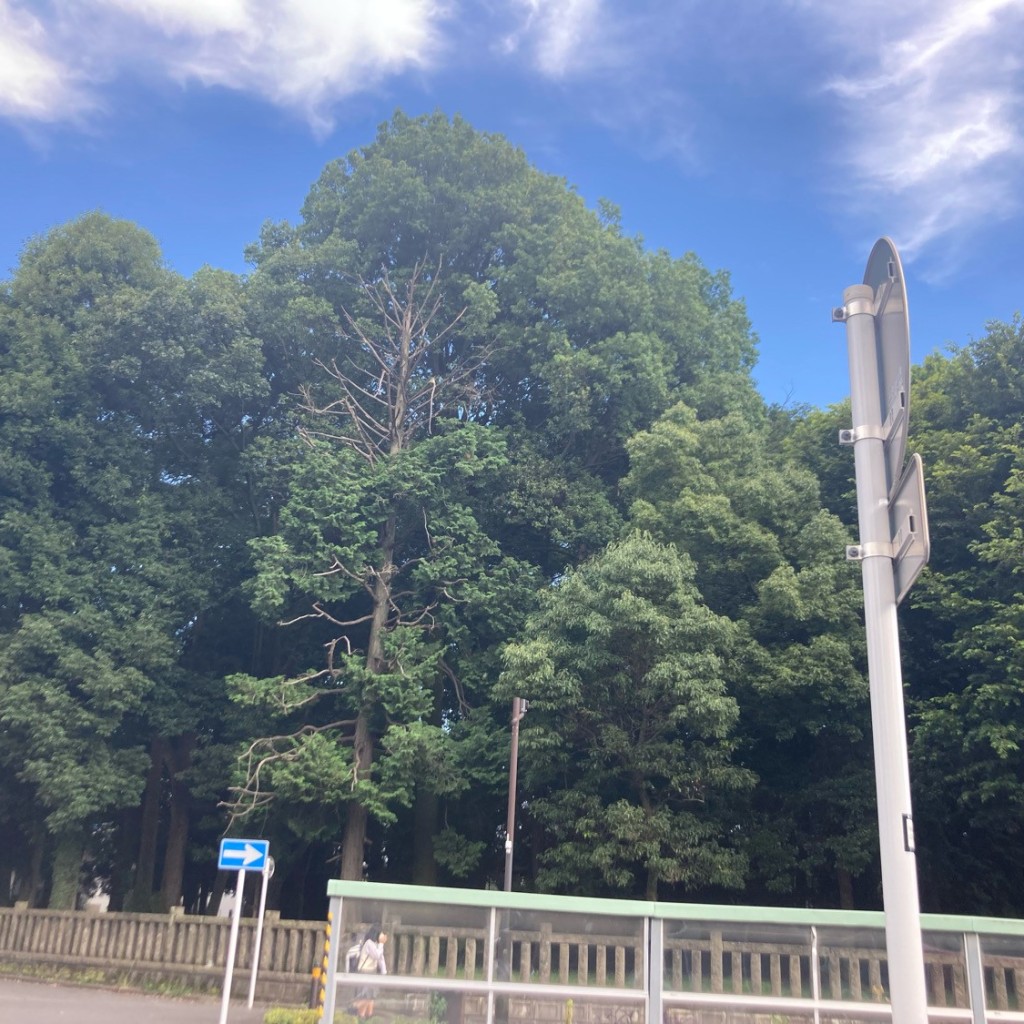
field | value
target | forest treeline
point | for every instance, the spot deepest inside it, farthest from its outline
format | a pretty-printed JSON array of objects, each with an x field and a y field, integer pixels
[{"x": 278, "y": 550}]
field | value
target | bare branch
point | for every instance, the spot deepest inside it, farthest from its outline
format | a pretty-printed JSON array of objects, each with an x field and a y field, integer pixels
[
  {"x": 332, "y": 647},
  {"x": 264, "y": 752},
  {"x": 394, "y": 402},
  {"x": 464, "y": 706}
]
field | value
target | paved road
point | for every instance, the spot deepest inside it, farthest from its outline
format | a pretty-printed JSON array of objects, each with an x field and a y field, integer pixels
[{"x": 36, "y": 1002}]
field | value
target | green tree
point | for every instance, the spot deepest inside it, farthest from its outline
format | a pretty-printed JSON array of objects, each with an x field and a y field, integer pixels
[
  {"x": 771, "y": 559},
  {"x": 627, "y": 747},
  {"x": 964, "y": 625},
  {"x": 379, "y": 533},
  {"x": 575, "y": 337},
  {"x": 114, "y": 441}
]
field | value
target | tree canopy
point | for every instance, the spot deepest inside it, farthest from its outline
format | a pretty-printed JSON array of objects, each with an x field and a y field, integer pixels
[{"x": 279, "y": 549}]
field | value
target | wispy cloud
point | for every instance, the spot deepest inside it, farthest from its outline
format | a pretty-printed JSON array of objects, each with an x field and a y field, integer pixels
[
  {"x": 932, "y": 116},
  {"x": 616, "y": 63},
  {"x": 35, "y": 84},
  {"x": 561, "y": 37},
  {"x": 185, "y": 17},
  {"x": 303, "y": 55},
  {"x": 925, "y": 96}
]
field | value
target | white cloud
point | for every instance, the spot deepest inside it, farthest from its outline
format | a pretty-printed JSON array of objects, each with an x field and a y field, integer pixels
[
  {"x": 199, "y": 17},
  {"x": 926, "y": 96},
  {"x": 615, "y": 64},
  {"x": 304, "y": 55},
  {"x": 932, "y": 116},
  {"x": 562, "y": 37},
  {"x": 307, "y": 57},
  {"x": 35, "y": 84}
]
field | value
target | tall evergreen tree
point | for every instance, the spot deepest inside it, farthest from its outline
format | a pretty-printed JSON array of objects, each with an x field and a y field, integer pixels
[{"x": 572, "y": 338}]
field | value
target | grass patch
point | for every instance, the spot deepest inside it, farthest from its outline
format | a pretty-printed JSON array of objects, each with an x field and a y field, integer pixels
[
  {"x": 96, "y": 976},
  {"x": 301, "y": 1015}
]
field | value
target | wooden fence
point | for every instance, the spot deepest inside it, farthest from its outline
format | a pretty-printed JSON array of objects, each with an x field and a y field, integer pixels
[
  {"x": 844, "y": 972},
  {"x": 713, "y": 964},
  {"x": 539, "y": 956},
  {"x": 193, "y": 950},
  {"x": 158, "y": 947}
]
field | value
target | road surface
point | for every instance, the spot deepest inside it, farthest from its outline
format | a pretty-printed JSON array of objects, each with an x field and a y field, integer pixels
[{"x": 37, "y": 1002}]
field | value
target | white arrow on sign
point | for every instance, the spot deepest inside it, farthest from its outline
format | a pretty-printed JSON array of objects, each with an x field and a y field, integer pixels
[{"x": 247, "y": 854}]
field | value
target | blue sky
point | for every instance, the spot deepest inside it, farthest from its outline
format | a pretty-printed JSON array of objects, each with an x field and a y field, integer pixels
[{"x": 777, "y": 139}]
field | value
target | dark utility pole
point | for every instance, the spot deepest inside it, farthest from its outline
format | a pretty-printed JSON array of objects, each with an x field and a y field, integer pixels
[{"x": 519, "y": 707}]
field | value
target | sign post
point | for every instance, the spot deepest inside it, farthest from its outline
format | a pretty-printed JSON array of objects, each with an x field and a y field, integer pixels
[
  {"x": 239, "y": 855},
  {"x": 892, "y": 550},
  {"x": 268, "y": 873}
]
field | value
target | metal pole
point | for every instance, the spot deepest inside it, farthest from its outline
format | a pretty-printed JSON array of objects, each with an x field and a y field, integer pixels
[
  {"x": 229, "y": 970},
  {"x": 333, "y": 952},
  {"x": 815, "y": 974},
  {"x": 888, "y": 724},
  {"x": 259, "y": 935},
  {"x": 655, "y": 929},
  {"x": 492, "y": 949},
  {"x": 513, "y": 769},
  {"x": 975, "y": 977}
]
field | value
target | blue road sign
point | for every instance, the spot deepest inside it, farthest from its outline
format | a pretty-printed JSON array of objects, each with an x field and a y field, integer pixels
[{"x": 243, "y": 854}]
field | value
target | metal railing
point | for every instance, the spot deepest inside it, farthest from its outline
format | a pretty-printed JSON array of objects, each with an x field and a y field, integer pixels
[{"x": 479, "y": 957}]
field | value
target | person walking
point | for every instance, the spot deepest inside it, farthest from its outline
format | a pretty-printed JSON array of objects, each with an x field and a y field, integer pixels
[{"x": 370, "y": 961}]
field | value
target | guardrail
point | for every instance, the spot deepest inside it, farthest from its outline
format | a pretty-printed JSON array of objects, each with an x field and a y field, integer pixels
[
  {"x": 538, "y": 959},
  {"x": 546, "y": 959}
]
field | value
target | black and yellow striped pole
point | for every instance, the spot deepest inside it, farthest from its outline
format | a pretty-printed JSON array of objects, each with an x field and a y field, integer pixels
[
  {"x": 333, "y": 949},
  {"x": 320, "y": 970}
]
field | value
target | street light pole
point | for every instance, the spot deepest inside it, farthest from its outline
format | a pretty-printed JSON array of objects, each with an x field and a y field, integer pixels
[{"x": 519, "y": 707}]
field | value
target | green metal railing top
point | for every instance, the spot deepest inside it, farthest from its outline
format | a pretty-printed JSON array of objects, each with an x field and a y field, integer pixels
[{"x": 714, "y": 913}]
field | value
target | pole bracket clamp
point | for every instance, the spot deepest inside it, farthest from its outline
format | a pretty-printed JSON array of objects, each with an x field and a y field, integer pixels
[
  {"x": 856, "y": 305},
  {"x": 855, "y": 434},
  {"x": 858, "y": 552}
]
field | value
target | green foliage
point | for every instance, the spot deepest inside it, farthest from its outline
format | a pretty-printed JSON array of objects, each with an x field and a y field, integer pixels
[
  {"x": 555, "y": 339},
  {"x": 454, "y": 852},
  {"x": 252, "y": 513},
  {"x": 301, "y": 1015},
  {"x": 438, "y": 1008},
  {"x": 122, "y": 390},
  {"x": 628, "y": 738},
  {"x": 770, "y": 558},
  {"x": 332, "y": 517},
  {"x": 964, "y": 626}
]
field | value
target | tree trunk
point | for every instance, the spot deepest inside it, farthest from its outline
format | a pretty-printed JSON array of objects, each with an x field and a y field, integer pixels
[
  {"x": 845, "y": 880},
  {"x": 120, "y": 881},
  {"x": 35, "y": 874},
  {"x": 140, "y": 898},
  {"x": 651, "y": 895},
  {"x": 375, "y": 661},
  {"x": 177, "y": 832},
  {"x": 424, "y": 867},
  {"x": 353, "y": 843},
  {"x": 67, "y": 865},
  {"x": 6, "y": 873}
]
